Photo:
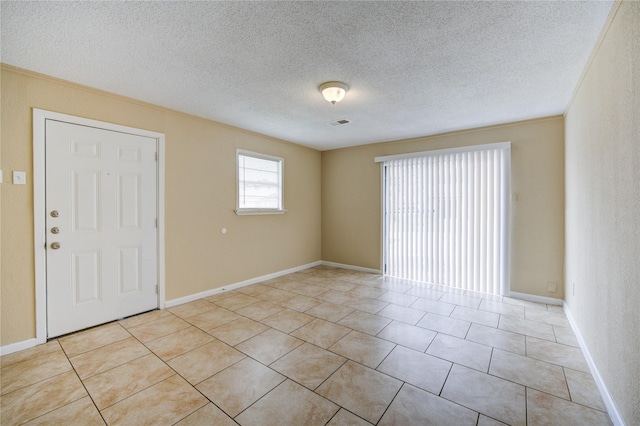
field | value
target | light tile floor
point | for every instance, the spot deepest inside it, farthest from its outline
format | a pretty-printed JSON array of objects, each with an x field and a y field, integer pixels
[{"x": 321, "y": 346}]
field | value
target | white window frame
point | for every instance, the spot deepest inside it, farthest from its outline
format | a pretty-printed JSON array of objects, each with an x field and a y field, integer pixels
[{"x": 241, "y": 211}]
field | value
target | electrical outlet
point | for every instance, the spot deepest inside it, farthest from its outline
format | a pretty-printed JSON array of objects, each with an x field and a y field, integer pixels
[
  {"x": 552, "y": 287},
  {"x": 19, "y": 178}
]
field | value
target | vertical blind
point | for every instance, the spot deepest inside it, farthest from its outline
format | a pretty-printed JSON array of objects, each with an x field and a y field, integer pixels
[{"x": 445, "y": 217}]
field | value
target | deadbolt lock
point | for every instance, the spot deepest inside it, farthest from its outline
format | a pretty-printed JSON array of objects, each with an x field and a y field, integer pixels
[
  {"x": 55, "y": 230},
  {"x": 54, "y": 213},
  {"x": 55, "y": 245}
]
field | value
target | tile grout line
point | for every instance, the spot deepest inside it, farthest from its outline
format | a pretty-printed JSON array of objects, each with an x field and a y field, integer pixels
[
  {"x": 175, "y": 373},
  {"x": 347, "y": 359},
  {"x": 82, "y": 382},
  {"x": 391, "y": 402}
]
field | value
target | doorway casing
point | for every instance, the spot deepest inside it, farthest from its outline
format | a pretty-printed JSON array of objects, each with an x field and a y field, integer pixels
[{"x": 39, "y": 192}]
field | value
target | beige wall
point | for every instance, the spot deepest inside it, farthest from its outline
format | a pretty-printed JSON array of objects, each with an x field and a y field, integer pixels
[
  {"x": 603, "y": 209},
  {"x": 351, "y": 198},
  {"x": 199, "y": 198}
]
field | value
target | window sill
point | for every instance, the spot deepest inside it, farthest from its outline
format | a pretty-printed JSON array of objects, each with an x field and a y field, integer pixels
[{"x": 253, "y": 212}]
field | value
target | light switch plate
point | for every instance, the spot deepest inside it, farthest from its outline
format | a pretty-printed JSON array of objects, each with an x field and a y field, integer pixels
[
  {"x": 19, "y": 178},
  {"x": 0, "y": 176}
]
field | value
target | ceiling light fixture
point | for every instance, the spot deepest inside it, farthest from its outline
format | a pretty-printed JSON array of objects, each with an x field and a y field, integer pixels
[{"x": 333, "y": 91}]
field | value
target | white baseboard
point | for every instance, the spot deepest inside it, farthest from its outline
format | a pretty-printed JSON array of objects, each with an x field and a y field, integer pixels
[
  {"x": 612, "y": 409},
  {"x": 534, "y": 298},
  {"x": 192, "y": 297},
  {"x": 351, "y": 267},
  {"x": 26, "y": 344},
  {"x": 18, "y": 346}
]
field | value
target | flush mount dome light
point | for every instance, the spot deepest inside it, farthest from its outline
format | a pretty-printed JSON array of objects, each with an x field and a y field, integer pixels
[{"x": 333, "y": 91}]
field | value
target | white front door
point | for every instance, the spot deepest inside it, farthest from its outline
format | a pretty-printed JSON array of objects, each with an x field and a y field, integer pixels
[{"x": 101, "y": 225}]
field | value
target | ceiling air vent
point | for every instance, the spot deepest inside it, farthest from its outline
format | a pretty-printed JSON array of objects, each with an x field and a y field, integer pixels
[{"x": 338, "y": 122}]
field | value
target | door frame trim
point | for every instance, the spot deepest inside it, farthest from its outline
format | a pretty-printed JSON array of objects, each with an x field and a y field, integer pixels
[{"x": 39, "y": 214}]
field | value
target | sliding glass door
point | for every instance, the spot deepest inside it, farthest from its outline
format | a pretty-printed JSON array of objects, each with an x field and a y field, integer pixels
[{"x": 446, "y": 217}]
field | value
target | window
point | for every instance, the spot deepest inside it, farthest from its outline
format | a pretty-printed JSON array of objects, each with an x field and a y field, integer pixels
[
  {"x": 445, "y": 217},
  {"x": 259, "y": 183}
]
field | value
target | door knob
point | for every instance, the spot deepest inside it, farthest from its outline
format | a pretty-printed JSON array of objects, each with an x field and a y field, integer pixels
[
  {"x": 55, "y": 230},
  {"x": 55, "y": 245},
  {"x": 54, "y": 213}
]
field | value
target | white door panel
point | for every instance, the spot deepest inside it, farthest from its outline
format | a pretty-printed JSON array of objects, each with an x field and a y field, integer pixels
[{"x": 103, "y": 186}]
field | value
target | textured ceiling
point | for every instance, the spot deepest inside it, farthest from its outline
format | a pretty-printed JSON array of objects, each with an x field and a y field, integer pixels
[{"x": 414, "y": 68}]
